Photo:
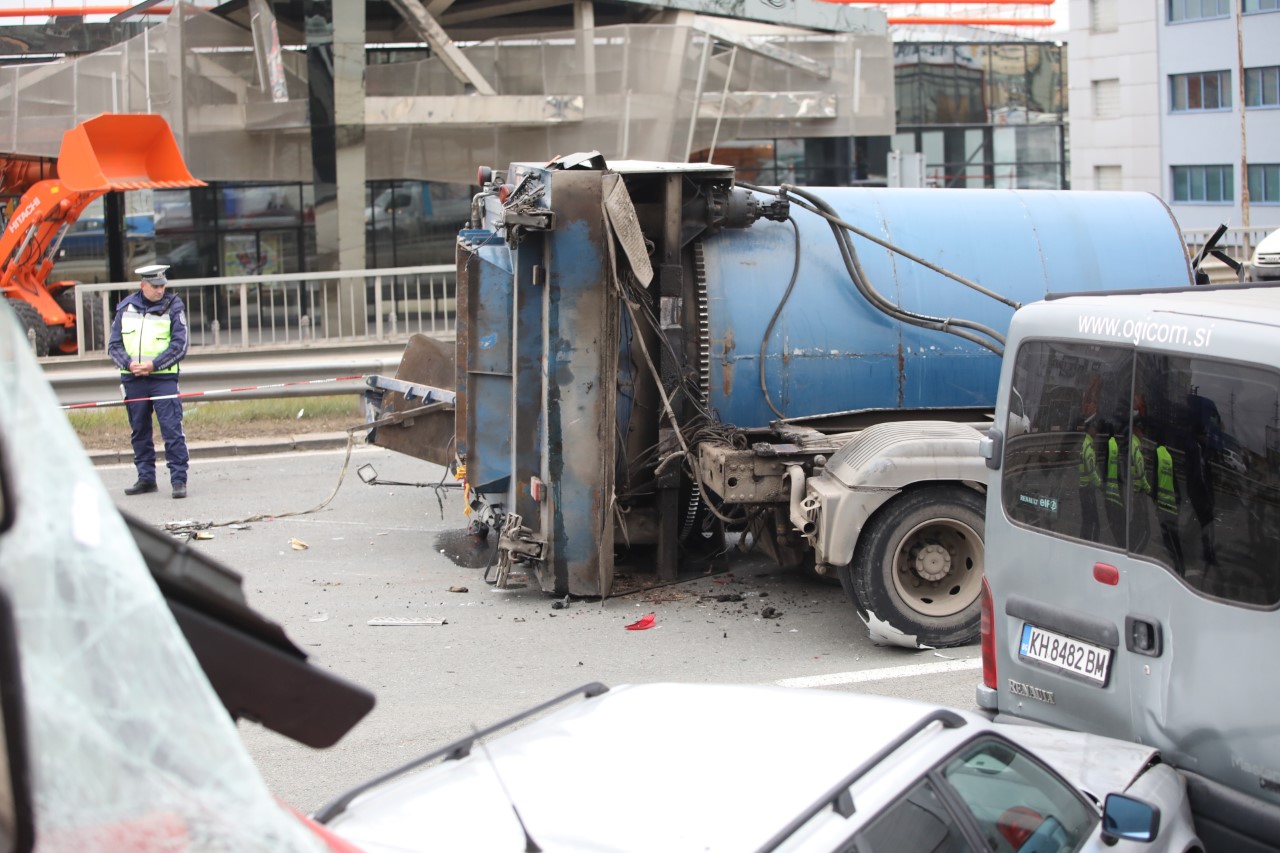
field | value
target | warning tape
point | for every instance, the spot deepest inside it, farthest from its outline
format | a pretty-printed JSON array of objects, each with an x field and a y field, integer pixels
[{"x": 184, "y": 395}]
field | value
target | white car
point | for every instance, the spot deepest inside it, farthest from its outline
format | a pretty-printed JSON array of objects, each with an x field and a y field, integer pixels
[
  {"x": 703, "y": 767},
  {"x": 1265, "y": 263}
]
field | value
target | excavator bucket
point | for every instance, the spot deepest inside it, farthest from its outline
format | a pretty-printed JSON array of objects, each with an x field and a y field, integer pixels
[{"x": 122, "y": 152}]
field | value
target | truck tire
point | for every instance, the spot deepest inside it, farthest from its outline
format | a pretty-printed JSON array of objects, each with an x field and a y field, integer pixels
[
  {"x": 94, "y": 337},
  {"x": 918, "y": 567},
  {"x": 34, "y": 325}
]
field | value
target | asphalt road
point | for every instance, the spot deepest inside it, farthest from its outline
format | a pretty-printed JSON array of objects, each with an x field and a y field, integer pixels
[{"x": 379, "y": 552}]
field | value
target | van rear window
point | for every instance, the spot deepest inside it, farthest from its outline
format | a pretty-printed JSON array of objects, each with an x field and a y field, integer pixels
[{"x": 1168, "y": 457}]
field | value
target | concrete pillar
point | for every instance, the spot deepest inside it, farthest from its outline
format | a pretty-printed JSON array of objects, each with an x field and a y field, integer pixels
[{"x": 335, "y": 73}]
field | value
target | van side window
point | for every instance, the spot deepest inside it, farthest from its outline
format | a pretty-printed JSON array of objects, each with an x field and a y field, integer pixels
[
  {"x": 1210, "y": 438},
  {"x": 1067, "y": 439}
]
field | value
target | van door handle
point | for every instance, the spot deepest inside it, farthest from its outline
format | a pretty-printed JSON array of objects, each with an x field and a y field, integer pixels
[{"x": 1142, "y": 636}]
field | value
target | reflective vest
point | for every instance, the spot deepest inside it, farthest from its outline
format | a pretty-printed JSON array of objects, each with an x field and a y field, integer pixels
[
  {"x": 145, "y": 336},
  {"x": 1166, "y": 497},
  {"x": 1088, "y": 464},
  {"x": 1113, "y": 471},
  {"x": 1138, "y": 466}
]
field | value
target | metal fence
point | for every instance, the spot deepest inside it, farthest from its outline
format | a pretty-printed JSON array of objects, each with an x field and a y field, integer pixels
[
  {"x": 1238, "y": 243},
  {"x": 296, "y": 309}
]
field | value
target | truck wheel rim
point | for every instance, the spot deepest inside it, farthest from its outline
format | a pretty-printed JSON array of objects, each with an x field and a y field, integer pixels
[{"x": 937, "y": 568}]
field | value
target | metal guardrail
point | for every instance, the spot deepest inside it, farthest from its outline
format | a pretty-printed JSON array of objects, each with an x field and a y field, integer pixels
[
  {"x": 1239, "y": 243},
  {"x": 247, "y": 313}
]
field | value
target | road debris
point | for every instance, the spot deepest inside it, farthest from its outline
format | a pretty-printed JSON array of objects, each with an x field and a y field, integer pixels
[
  {"x": 644, "y": 623},
  {"x": 298, "y": 545},
  {"x": 398, "y": 621},
  {"x": 458, "y": 589}
]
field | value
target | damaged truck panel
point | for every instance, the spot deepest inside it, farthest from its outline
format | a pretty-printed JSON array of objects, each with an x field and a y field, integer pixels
[{"x": 657, "y": 354}]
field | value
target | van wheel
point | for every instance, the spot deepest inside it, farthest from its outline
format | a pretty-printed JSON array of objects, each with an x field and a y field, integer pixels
[{"x": 918, "y": 566}]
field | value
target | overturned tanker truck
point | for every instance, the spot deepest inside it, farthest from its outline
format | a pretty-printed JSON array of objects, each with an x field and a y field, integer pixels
[{"x": 652, "y": 355}]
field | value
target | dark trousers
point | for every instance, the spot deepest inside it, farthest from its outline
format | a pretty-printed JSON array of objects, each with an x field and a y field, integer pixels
[{"x": 168, "y": 413}]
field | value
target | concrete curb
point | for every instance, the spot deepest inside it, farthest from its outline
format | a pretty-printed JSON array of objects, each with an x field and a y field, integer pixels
[{"x": 237, "y": 447}]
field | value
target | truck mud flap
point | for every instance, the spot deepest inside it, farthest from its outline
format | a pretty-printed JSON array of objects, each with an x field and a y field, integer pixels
[{"x": 406, "y": 425}]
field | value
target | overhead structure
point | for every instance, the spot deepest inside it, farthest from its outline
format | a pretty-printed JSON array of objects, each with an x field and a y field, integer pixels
[
  {"x": 988, "y": 13},
  {"x": 658, "y": 80}
]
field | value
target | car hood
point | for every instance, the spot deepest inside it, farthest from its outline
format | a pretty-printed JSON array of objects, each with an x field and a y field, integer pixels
[
  {"x": 1095, "y": 764},
  {"x": 724, "y": 766}
]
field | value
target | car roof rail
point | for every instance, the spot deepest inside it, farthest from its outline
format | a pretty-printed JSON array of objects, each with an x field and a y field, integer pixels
[
  {"x": 838, "y": 796},
  {"x": 460, "y": 748}
]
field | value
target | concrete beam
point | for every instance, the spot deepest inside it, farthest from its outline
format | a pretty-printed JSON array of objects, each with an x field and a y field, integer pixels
[{"x": 426, "y": 26}]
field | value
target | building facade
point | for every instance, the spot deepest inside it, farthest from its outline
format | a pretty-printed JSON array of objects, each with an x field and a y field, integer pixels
[{"x": 1180, "y": 98}]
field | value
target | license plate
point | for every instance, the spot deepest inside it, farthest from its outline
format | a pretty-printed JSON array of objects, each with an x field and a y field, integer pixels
[{"x": 1065, "y": 653}]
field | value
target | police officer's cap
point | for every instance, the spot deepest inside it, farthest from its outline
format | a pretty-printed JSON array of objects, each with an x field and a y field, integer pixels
[{"x": 152, "y": 273}]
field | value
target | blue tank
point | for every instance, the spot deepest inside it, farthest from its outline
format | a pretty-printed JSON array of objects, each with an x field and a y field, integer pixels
[{"x": 832, "y": 351}]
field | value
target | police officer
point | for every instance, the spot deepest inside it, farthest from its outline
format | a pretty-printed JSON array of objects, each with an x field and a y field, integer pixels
[{"x": 148, "y": 340}]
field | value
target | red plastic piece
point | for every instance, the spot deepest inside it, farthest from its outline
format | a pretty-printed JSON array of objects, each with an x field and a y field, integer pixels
[{"x": 644, "y": 623}]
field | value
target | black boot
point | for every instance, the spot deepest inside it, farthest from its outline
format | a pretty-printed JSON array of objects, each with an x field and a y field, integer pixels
[
  {"x": 141, "y": 487},
  {"x": 179, "y": 490}
]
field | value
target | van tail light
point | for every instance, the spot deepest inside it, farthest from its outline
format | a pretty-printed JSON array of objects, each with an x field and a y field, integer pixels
[{"x": 988, "y": 627}]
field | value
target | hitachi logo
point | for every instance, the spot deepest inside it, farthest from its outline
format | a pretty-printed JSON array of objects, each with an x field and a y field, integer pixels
[{"x": 15, "y": 224}]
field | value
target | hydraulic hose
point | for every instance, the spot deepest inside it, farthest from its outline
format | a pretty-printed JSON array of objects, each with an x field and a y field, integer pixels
[
  {"x": 860, "y": 281},
  {"x": 764, "y": 341},
  {"x": 840, "y": 229}
]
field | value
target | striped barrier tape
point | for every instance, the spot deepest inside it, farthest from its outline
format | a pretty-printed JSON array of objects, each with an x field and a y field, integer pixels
[{"x": 185, "y": 395}]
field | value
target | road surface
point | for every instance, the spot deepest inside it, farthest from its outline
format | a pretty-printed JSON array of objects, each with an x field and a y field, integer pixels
[{"x": 377, "y": 553}]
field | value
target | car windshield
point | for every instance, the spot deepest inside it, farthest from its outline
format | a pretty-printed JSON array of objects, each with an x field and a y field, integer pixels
[
  {"x": 129, "y": 746},
  {"x": 1018, "y": 804}
]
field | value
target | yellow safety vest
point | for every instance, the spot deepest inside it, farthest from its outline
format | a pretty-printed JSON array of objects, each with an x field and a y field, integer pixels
[
  {"x": 1089, "y": 464},
  {"x": 1113, "y": 471},
  {"x": 1138, "y": 466},
  {"x": 145, "y": 336},
  {"x": 1166, "y": 497}
]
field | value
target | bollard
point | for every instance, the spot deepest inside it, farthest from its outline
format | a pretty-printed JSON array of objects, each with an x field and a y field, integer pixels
[
  {"x": 305, "y": 331},
  {"x": 216, "y": 328}
]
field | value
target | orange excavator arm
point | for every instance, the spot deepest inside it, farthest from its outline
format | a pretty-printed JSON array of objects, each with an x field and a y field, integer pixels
[{"x": 109, "y": 152}]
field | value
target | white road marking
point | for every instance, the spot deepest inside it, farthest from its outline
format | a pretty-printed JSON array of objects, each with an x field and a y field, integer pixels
[{"x": 883, "y": 674}]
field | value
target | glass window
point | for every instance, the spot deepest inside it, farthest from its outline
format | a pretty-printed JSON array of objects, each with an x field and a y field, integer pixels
[
  {"x": 1209, "y": 184},
  {"x": 1264, "y": 183},
  {"x": 251, "y": 207},
  {"x": 1104, "y": 16},
  {"x": 1068, "y": 426},
  {"x": 1261, "y": 5},
  {"x": 1017, "y": 803},
  {"x": 1194, "y": 10},
  {"x": 1106, "y": 98},
  {"x": 1208, "y": 90},
  {"x": 918, "y": 823},
  {"x": 1211, "y": 452},
  {"x": 1107, "y": 178},
  {"x": 1262, "y": 86}
]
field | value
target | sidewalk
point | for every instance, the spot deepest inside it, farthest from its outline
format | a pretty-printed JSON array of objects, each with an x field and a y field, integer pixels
[{"x": 237, "y": 447}]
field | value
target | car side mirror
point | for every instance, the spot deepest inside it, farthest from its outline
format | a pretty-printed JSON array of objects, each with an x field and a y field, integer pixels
[{"x": 1129, "y": 818}]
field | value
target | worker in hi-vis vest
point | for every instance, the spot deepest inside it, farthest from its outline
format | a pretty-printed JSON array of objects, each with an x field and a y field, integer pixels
[
  {"x": 1168, "y": 507},
  {"x": 148, "y": 340},
  {"x": 1090, "y": 480}
]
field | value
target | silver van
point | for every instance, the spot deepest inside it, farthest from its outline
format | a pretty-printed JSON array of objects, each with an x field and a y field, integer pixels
[{"x": 1133, "y": 537}]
